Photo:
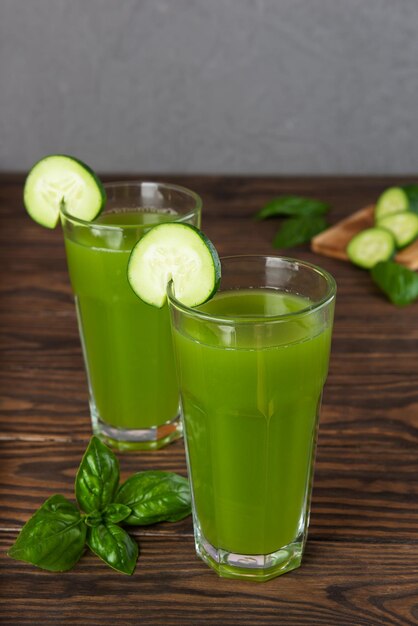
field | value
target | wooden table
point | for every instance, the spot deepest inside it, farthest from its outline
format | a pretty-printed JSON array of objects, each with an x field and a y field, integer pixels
[{"x": 361, "y": 562}]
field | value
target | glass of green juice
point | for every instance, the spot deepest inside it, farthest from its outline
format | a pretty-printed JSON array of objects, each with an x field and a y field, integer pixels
[
  {"x": 127, "y": 344},
  {"x": 252, "y": 363}
]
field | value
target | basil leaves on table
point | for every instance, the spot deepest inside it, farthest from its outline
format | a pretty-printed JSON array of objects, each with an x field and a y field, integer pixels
[
  {"x": 297, "y": 230},
  {"x": 399, "y": 283},
  {"x": 297, "y": 206},
  {"x": 55, "y": 536},
  {"x": 306, "y": 218}
]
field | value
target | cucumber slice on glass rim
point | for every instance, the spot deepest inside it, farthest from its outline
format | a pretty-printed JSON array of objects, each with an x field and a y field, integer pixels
[
  {"x": 60, "y": 180},
  {"x": 177, "y": 252}
]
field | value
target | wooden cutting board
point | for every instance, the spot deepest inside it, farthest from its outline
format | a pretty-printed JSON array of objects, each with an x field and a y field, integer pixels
[{"x": 333, "y": 241}]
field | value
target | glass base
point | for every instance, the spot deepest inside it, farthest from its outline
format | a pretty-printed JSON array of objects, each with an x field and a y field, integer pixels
[
  {"x": 257, "y": 567},
  {"x": 151, "y": 438}
]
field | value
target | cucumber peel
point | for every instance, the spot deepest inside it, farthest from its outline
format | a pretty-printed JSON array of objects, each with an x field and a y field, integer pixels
[
  {"x": 177, "y": 252},
  {"x": 57, "y": 182}
]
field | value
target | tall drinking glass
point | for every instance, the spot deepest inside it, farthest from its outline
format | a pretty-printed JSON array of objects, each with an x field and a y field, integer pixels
[
  {"x": 127, "y": 345},
  {"x": 252, "y": 363}
]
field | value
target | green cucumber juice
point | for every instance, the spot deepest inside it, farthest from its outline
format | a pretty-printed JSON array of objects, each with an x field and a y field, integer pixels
[
  {"x": 250, "y": 405},
  {"x": 127, "y": 344}
]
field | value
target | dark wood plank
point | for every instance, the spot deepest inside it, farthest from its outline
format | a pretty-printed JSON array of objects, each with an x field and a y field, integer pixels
[{"x": 338, "y": 583}]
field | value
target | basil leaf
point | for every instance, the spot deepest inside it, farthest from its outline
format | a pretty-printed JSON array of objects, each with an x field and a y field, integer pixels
[
  {"x": 97, "y": 477},
  {"x": 116, "y": 513},
  {"x": 155, "y": 496},
  {"x": 93, "y": 519},
  {"x": 292, "y": 205},
  {"x": 53, "y": 538},
  {"x": 114, "y": 546},
  {"x": 399, "y": 283},
  {"x": 297, "y": 230}
]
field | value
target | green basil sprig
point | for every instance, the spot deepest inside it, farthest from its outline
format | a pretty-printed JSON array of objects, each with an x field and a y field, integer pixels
[
  {"x": 55, "y": 536},
  {"x": 306, "y": 218},
  {"x": 288, "y": 206},
  {"x": 297, "y": 230}
]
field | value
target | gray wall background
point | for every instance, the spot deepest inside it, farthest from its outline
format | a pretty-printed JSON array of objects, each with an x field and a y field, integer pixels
[{"x": 231, "y": 86}]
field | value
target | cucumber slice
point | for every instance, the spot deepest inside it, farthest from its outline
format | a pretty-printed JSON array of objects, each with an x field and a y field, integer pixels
[
  {"x": 59, "y": 180},
  {"x": 370, "y": 246},
  {"x": 392, "y": 200},
  {"x": 403, "y": 226},
  {"x": 178, "y": 252}
]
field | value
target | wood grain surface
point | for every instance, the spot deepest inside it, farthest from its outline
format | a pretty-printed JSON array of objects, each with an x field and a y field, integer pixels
[{"x": 361, "y": 563}]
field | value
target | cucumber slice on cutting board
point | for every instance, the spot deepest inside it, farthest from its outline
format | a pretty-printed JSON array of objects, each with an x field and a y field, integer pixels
[
  {"x": 370, "y": 246},
  {"x": 397, "y": 200},
  {"x": 392, "y": 200},
  {"x": 177, "y": 252},
  {"x": 60, "y": 180},
  {"x": 403, "y": 226}
]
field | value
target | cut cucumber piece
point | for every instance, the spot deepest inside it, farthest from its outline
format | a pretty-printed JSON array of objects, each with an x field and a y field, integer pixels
[
  {"x": 392, "y": 200},
  {"x": 403, "y": 226},
  {"x": 60, "y": 180},
  {"x": 370, "y": 246},
  {"x": 177, "y": 252}
]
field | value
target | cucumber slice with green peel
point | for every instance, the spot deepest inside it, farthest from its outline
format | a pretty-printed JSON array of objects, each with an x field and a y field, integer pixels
[
  {"x": 370, "y": 246},
  {"x": 177, "y": 252},
  {"x": 403, "y": 226},
  {"x": 58, "y": 181},
  {"x": 392, "y": 200}
]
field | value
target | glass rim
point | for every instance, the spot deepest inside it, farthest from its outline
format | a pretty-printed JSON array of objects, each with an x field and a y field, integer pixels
[
  {"x": 261, "y": 319},
  {"x": 137, "y": 183}
]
